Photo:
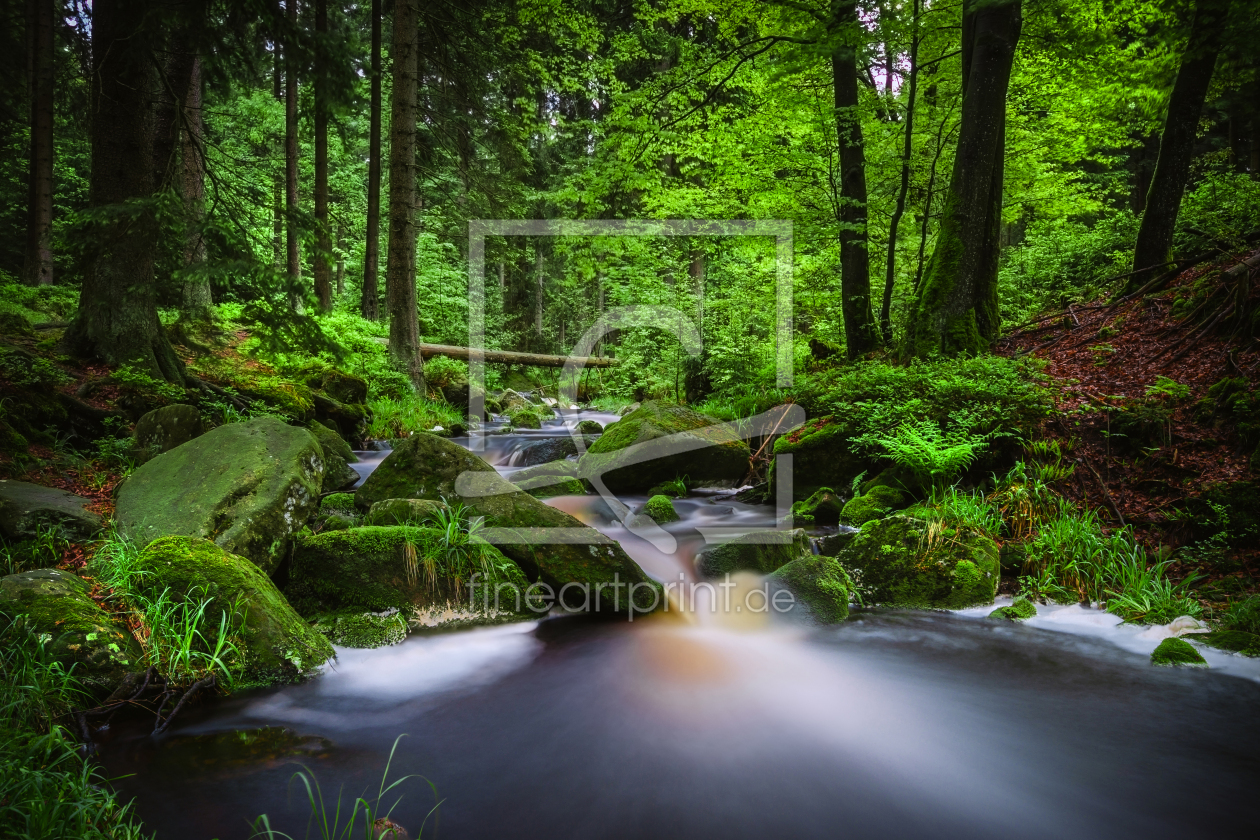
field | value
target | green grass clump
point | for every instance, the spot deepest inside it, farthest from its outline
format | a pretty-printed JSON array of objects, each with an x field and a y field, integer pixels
[
  {"x": 961, "y": 509},
  {"x": 1177, "y": 652},
  {"x": 399, "y": 417}
]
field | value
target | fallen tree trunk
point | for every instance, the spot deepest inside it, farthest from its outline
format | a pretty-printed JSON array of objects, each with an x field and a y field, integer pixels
[{"x": 509, "y": 357}]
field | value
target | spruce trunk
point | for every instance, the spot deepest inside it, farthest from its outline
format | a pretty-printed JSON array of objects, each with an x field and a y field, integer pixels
[
  {"x": 37, "y": 269},
  {"x": 371, "y": 304},
  {"x": 323, "y": 237}
]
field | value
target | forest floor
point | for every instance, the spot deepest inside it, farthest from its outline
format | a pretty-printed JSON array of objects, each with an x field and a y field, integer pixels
[{"x": 1159, "y": 442}]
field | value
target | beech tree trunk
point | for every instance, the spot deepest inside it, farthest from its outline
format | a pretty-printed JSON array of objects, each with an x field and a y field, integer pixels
[
  {"x": 885, "y": 313},
  {"x": 197, "y": 297},
  {"x": 37, "y": 269},
  {"x": 956, "y": 308},
  {"x": 370, "y": 306},
  {"x": 1176, "y": 145},
  {"x": 323, "y": 236},
  {"x": 860, "y": 333},
  {"x": 400, "y": 278},
  {"x": 293, "y": 244},
  {"x": 117, "y": 321}
]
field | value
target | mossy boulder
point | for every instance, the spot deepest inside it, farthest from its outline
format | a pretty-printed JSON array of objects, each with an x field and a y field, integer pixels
[
  {"x": 360, "y": 629},
  {"x": 546, "y": 450},
  {"x": 557, "y": 478},
  {"x": 338, "y": 456},
  {"x": 1175, "y": 652},
  {"x": 429, "y": 467},
  {"x": 822, "y": 508},
  {"x": 874, "y": 504},
  {"x": 165, "y": 428},
  {"x": 763, "y": 552},
  {"x": 899, "y": 561},
  {"x": 819, "y": 582},
  {"x": 1236, "y": 641},
  {"x": 589, "y": 427},
  {"x": 510, "y": 401},
  {"x": 75, "y": 629},
  {"x": 403, "y": 512},
  {"x": 341, "y": 386},
  {"x": 823, "y": 456},
  {"x": 408, "y": 569},
  {"x": 246, "y": 486},
  {"x": 658, "y": 442},
  {"x": 1020, "y": 610},
  {"x": 27, "y": 508},
  {"x": 278, "y": 646},
  {"x": 525, "y": 418},
  {"x": 336, "y": 501},
  {"x": 661, "y": 509}
]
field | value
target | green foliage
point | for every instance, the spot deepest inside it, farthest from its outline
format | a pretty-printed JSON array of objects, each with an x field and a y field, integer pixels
[
  {"x": 400, "y": 417},
  {"x": 935, "y": 456},
  {"x": 40, "y": 551},
  {"x": 29, "y": 371},
  {"x": 1217, "y": 212},
  {"x": 1170, "y": 388},
  {"x": 1243, "y": 616},
  {"x": 960, "y": 509},
  {"x": 38, "y": 303}
]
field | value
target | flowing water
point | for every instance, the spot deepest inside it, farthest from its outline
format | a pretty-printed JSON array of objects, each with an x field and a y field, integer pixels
[{"x": 892, "y": 724}]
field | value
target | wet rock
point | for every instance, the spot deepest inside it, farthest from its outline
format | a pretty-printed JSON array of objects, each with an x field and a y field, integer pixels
[
  {"x": 661, "y": 509},
  {"x": 898, "y": 564},
  {"x": 163, "y": 429},
  {"x": 76, "y": 630},
  {"x": 697, "y": 446},
  {"x": 822, "y": 508},
  {"x": 1235, "y": 641},
  {"x": 403, "y": 512},
  {"x": 510, "y": 401},
  {"x": 822, "y": 457},
  {"x": 549, "y": 449},
  {"x": 248, "y": 486},
  {"x": 1020, "y": 610},
  {"x": 337, "y": 458},
  {"x": 628, "y": 409},
  {"x": 831, "y": 544},
  {"x": 278, "y": 646},
  {"x": 525, "y": 418},
  {"x": 819, "y": 582},
  {"x": 589, "y": 427},
  {"x": 762, "y": 552},
  {"x": 877, "y": 502},
  {"x": 1177, "y": 652},
  {"x": 557, "y": 478},
  {"x": 360, "y": 629},
  {"x": 26, "y": 508}
]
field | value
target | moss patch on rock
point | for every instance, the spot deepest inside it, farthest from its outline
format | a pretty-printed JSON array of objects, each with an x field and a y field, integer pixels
[
  {"x": 698, "y": 446},
  {"x": 589, "y": 427},
  {"x": 403, "y": 512},
  {"x": 525, "y": 418},
  {"x": 337, "y": 457},
  {"x": 1021, "y": 610},
  {"x": 1177, "y": 652},
  {"x": 336, "y": 501},
  {"x": 823, "y": 457},
  {"x": 876, "y": 503},
  {"x": 278, "y": 646},
  {"x": 661, "y": 509},
  {"x": 1235, "y": 641},
  {"x": 246, "y": 486},
  {"x": 822, "y": 508},
  {"x": 360, "y": 629},
  {"x": 821, "y": 583},
  {"x": 76, "y": 630},
  {"x": 762, "y": 552},
  {"x": 557, "y": 478}
]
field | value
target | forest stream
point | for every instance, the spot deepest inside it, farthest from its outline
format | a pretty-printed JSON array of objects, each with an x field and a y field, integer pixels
[{"x": 735, "y": 724}]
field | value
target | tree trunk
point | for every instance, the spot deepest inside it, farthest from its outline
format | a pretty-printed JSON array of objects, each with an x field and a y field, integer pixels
[
  {"x": 538, "y": 287},
  {"x": 293, "y": 253},
  {"x": 1176, "y": 144},
  {"x": 323, "y": 236},
  {"x": 885, "y": 313},
  {"x": 400, "y": 278},
  {"x": 860, "y": 333},
  {"x": 37, "y": 269},
  {"x": 278, "y": 174},
  {"x": 117, "y": 320},
  {"x": 197, "y": 297},
  {"x": 371, "y": 304},
  {"x": 956, "y": 310}
]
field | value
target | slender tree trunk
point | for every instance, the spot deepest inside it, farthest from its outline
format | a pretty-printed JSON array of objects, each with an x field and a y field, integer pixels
[
  {"x": 117, "y": 320},
  {"x": 371, "y": 305},
  {"x": 323, "y": 236},
  {"x": 37, "y": 269},
  {"x": 538, "y": 287},
  {"x": 197, "y": 297},
  {"x": 278, "y": 174},
  {"x": 885, "y": 313},
  {"x": 1176, "y": 144},
  {"x": 293, "y": 252},
  {"x": 400, "y": 276},
  {"x": 956, "y": 310},
  {"x": 860, "y": 333}
]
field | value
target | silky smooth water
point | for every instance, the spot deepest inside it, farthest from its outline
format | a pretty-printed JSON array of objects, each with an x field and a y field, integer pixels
[{"x": 892, "y": 724}]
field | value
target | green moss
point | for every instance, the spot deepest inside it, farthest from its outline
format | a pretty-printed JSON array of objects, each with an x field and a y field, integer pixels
[
  {"x": 824, "y": 456},
  {"x": 403, "y": 512},
  {"x": 589, "y": 427},
  {"x": 336, "y": 501},
  {"x": 358, "y": 629},
  {"x": 1020, "y": 610},
  {"x": 822, "y": 508},
  {"x": 278, "y": 644},
  {"x": 525, "y": 419},
  {"x": 554, "y": 478},
  {"x": 1237, "y": 641},
  {"x": 661, "y": 509},
  {"x": 757, "y": 552},
  {"x": 900, "y": 563},
  {"x": 874, "y": 504},
  {"x": 1177, "y": 652},
  {"x": 821, "y": 583}
]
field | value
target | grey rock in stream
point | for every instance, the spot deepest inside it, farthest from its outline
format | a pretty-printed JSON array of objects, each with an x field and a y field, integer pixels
[{"x": 26, "y": 508}]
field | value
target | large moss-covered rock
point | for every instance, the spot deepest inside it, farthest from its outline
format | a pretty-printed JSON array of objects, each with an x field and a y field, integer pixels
[
  {"x": 75, "y": 629},
  {"x": 549, "y": 449},
  {"x": 26, "y": 508},
  {"x": 278, "y": 646},
  {"x": 821, "y": 583},
  {"x": 510, "y": 401},
  {"x": 429, "y": 467},
  {"x": 822, "y": 457},
  {"x": 246, "y": 486},
  {"x": 165, "y": 428},
  {"x": 897, "y": 562},
  {"x": 557, "y": 478},
  {"x": 822, "y": 508},
  {"x": 658, "y": 442},
  {"x": 874, "y": 504},
  {"x": 338, "y": 456},
  {"x": 1175, "y": 652},
  {"x": 757, "y": 552},
  {"x": 404, "y": 568},
  {"x": 403, "y": 512},
  {"x": 589, "y": 427},
  {"x": 341, "y": 386}
]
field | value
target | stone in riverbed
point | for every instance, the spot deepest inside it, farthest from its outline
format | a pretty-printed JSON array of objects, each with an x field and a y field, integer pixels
[
  {"x": 661, "y": 509},
  {"x": 360, "y": 629},
  {"x": 762, "y": 552},
  {"x": 557, "y": 478},
  {"x": 1235, "y": 641},
  {"x": 874, "y": 504},
  {"x": 77, "y": 631},
  {"x": 821, "y": 583},
  {"x": 822, "y": 508},
  {"x": 338, "y": 456},
  {"x": 26, "y": 508},
  {"x": 278, "y": 646},
  {"x": 549, "y": 449},
  {"x": 403, "y": 512},
  {"x": 1020, "y": 610},
  {"x": 246, "y": 486},
  {"x": 1176, "y": 651},
  {"x": 589, "y": 427},
  {"x": 672, "y": 441},
  {"x": 823, "y": 456}
]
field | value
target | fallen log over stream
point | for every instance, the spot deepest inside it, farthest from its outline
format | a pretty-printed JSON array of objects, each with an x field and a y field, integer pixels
[{"x": 510, "y": 357}]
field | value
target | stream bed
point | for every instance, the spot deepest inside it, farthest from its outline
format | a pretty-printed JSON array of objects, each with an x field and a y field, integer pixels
[{"x": 892, "y": 724}]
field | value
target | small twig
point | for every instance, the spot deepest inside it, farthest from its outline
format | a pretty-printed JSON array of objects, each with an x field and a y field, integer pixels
[
  {"x": 1106, "y": 493},
  {"x": 1073, "y": 314},
  {"x": 196, "y": 689}
]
